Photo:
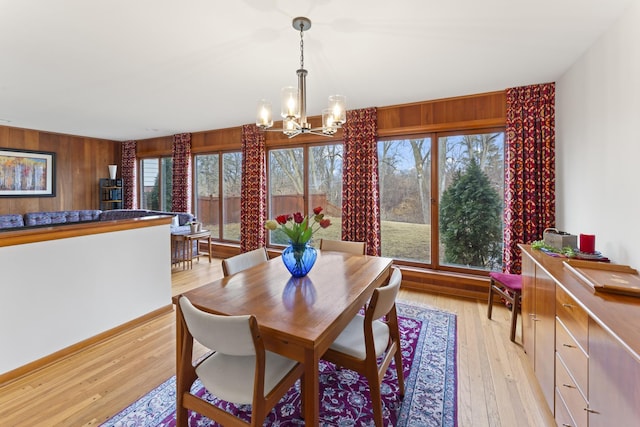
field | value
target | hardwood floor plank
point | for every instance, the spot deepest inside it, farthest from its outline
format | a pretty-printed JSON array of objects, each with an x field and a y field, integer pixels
[{"x": 496, "y": 385}]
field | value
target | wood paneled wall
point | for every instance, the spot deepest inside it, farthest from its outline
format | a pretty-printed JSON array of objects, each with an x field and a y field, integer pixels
[
  {"x": 80, "y": 163},
  {"x": 485, "y": 110}
]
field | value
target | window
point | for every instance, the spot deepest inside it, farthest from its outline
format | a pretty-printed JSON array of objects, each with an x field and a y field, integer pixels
[
  {"x": 405, "y": 198},
  {"x": 471, "y": 197},
  {"x": 461, "y": 226},
  {"x": 312, "y": 173},
  {"x": 210, "y": 207},
  {"x": 156, "y": 181}
]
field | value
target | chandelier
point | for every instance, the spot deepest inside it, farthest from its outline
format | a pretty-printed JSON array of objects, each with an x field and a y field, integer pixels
[{"x": 294, "y": 102}]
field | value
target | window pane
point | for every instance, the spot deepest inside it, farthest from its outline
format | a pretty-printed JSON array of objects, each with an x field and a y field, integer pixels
[
  {"x": 471, "y": 183},
  {"x": 232, "y": 184},
  {"x": 156, "y": 182},
  {"x": 405, "y": 198},
  {"x": 207, "y": 192},
  {"x": 325, "y": 187},
  {"x": 167, "y": 183},
  {"x": 286, "y": 186},
  {"x": 150, "y": 182}
]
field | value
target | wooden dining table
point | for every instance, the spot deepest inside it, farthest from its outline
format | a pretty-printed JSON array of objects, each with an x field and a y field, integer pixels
[{"x": 298, "y": 317}]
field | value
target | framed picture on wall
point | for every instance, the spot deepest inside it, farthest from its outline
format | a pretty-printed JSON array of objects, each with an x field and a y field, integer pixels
[{"x": 26, "y": 173}]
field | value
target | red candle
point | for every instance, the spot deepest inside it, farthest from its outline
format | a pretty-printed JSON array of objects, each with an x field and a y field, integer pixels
[{"x": 587, "y": 243}]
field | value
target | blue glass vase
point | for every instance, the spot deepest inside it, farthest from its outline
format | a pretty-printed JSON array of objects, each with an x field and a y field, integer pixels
[{"x": 299, "y": 258}]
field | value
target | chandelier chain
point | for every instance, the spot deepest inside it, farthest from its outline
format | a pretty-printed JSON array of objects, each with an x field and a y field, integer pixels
[{"x": 301, "y": 46}]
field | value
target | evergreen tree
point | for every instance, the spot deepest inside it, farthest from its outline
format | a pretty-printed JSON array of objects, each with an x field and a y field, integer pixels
[{"x": 470, "y": 225}]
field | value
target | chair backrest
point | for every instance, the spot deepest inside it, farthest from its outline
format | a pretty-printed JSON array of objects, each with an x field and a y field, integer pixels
[
  {"x": 357, "y": 248},
  {"x": 230, "y": 335},
  {"x": 385, "y": 296},
  {"x": 243, "y": 261}
]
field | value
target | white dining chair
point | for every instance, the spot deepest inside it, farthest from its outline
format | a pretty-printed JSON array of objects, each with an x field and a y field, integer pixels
[
  {"x": 367, "y": 338},
  {"x": 243, "y": 261},
  {"x": 357, "y": 248},
  {"x": 238, "y": 369}
]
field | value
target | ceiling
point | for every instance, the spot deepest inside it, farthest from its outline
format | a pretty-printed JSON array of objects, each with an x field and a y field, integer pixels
[{"x": 136, "y": 69}]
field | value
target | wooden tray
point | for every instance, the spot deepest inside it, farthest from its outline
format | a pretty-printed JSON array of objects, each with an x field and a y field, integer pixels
[{"x": 604, "y": 277}]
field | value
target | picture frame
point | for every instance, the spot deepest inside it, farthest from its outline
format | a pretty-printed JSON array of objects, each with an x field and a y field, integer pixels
[{"x": 27, "y": 173}]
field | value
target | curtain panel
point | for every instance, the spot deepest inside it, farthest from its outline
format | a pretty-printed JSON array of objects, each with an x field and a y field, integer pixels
[
  {"x": 360, "y": 186},
  {"x": 181, "y": 184},
  {"x": 530, "y": 199},
  {"x": 253, "y": 199},
  {"x": 129, "y": 172}
]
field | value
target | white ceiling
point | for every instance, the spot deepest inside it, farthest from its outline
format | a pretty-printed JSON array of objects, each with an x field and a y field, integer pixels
[{"x": 135, "y": 69}]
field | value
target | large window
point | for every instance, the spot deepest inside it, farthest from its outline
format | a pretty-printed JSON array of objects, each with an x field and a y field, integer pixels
[
  {"x": 312, "y": 174},
  {"x": 156, "y": 182},
  {"x": 218, "y": 200},
  {"x": 441, "y": 204},
  {"x": 405, "y": 198}
]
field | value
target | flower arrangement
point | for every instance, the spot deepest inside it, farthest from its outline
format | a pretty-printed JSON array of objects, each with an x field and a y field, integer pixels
[{"x": 297, "y": 227}]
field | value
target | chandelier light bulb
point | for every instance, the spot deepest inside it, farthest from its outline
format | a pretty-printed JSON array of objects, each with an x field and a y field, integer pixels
[
  {"x": 290, "y": 107},
  {"x": 328, "y": 124},
  {"x": 337, "y": 105},
  {"x": 264, "y": 118}
]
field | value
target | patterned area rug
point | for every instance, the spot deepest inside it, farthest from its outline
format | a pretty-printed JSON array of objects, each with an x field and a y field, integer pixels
[{"x": 429, "y": 359}]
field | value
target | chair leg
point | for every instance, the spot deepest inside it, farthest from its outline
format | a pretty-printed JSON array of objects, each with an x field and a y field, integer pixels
[
  {"x": 490, "y": 302},
  {"x": 399, "y": 371},
  {"x": 515, "y": 307},
  {"x": 376, "y": 400}
]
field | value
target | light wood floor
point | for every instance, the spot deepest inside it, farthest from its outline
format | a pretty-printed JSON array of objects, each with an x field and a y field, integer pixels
[{"x": 496, "y": 386}]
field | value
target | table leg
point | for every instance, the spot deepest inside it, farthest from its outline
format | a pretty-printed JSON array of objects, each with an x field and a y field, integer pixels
[
  {"x": 311, "y": 388},
  {"x": 189, "y": 253},
  {"x": 209, "y": 243}
]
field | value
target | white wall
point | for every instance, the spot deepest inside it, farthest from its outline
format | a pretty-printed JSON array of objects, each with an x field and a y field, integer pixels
[
  {"x": 598, "y": 142},
  {"x": 60, "y": 292}
]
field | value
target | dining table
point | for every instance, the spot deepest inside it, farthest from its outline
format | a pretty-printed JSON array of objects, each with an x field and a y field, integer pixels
[{"x": 298, "y": 317}]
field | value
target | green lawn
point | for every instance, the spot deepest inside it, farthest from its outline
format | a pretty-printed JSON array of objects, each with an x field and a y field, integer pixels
[{"x": 399, "y": 240}]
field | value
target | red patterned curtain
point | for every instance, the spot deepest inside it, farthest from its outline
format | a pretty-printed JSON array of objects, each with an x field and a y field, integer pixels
[
  {"x": 530, "y": 199},
  {"x": 181, "y": 190},
  {"x": 253, "y": 199},
  {"x": 360, "y": 186},
  {"x": 129, "y": 172}
]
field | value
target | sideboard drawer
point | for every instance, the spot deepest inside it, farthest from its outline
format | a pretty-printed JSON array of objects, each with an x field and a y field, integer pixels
[
  {"x": 568, "y": 390},
  {"x": 562, "y": 416},
  {"x": 574, "y": 358},
  {"x": 574, "y": 318}
]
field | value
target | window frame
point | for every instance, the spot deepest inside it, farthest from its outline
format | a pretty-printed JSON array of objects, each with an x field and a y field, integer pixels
[
  {"x": 140, "y": 181},
  {"x": 435, "y": 263},
  {"x": 221, "y": 195}
]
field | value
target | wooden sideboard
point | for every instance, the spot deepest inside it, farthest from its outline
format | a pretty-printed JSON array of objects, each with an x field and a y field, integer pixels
[{"x": 584, "y": 345}]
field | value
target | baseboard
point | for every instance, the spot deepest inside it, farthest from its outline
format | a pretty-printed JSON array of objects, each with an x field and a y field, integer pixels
[
  {"x": 448, "y": 283},
  {"x": 67, "y": 351}
]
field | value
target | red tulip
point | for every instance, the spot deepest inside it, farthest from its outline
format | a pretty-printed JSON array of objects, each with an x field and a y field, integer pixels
[
  {"x": 282, "y": 219},
  {"x": 298, "y": 218},
  {"x": 317, "y": 210},
  {"x": 325, "y": 223}
]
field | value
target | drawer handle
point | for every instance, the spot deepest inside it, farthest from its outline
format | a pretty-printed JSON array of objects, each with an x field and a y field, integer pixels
[
  {"x": 591, "y": 411},
  {"x": 567, "y": 305},
  {"x": 568, "y": 345},
  {"x": 569, "y": 386},
  {"x": 566, "y": 425}
]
